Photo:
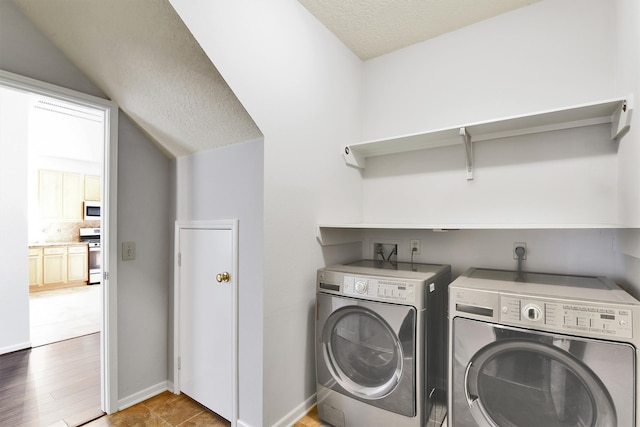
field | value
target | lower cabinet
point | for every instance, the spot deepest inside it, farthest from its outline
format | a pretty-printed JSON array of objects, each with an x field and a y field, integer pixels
[
  {"x": 35, "y": 267},
  {"x": 52, "y": 267},
  {"x": 55, "y": 265},
  {"x": 78, "y": 263}
]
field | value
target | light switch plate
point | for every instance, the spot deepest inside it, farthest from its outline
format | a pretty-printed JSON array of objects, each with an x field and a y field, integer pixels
[{"x": 128, "y": 251}]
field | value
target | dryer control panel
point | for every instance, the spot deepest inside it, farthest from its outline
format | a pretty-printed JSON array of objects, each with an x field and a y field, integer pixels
[
  {"x": 379, "y": 289},
  {"x": 570, "y": 317}
]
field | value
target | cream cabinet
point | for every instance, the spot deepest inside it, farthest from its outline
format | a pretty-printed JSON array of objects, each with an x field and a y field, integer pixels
[
  {"x": 58, "y": 266},
  {"x": 35, "y": 267},
  {"x": 50, "y": 195},
  {"x": 78, "y": 263},
  {"x": 54, "y": 265},
  {"x": 72, "y": 196},
  {"x": 92, "y": 188},
  {"x": 60, "y": 195}
]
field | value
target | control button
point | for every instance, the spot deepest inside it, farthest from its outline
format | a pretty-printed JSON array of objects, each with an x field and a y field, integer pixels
[
  {"x": 624, "y": 323},
  {"x": 505, "y": 309},
  {"x": 361, "y": 287},
  {"x": 532, "y": 312}
]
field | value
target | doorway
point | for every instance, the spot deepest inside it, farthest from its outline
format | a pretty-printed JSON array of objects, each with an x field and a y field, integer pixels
[
  {"x": 108, "y": 111},
  {"x": 65, "y": 166}
]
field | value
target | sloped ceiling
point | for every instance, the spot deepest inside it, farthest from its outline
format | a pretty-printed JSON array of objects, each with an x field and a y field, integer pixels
[
  {"x": 371, "y": 28},
  {"x": 140, "y": 53}
]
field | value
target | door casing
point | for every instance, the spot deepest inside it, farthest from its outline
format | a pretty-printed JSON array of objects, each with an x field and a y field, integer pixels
[{"x": 109, "y": 338}]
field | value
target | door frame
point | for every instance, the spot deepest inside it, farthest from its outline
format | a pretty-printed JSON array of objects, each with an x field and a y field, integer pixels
[
  {"x": 109, "y": 338},
  {"x": 230, "y": 225}
]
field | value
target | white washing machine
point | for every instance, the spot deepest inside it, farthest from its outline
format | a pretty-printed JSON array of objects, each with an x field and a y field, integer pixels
[
  {"x": 531, "y": 350},
  {"x": 380, "y": 343}
]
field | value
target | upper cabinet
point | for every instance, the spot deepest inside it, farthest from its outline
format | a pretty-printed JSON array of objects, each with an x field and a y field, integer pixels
[
  {"x": 617, "y": 112},
  {"x": 92, "y": 188},
  {"x": 60, "y": 195}
]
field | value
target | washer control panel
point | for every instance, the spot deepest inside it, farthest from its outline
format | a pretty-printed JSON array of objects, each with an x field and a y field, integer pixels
[
  {"x": 379, "y": 289},
  {"x": 605, "y": 321}
]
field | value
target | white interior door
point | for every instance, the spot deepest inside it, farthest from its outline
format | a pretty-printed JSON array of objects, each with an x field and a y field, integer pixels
[{"x": 206, "y": 357}]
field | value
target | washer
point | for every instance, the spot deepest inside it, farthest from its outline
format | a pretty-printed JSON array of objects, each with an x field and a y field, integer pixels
[
  {"x": 538, "y": 349},
  {"x": 380, "y": 343}
]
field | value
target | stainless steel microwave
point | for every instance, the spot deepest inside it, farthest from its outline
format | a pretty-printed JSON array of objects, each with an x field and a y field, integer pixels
[{"x": 91, "y": 211}]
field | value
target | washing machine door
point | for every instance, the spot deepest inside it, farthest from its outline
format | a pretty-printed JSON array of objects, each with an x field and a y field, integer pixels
[
  {"x": 524, "y": 378},
  {"x": 366, "y": 351}
]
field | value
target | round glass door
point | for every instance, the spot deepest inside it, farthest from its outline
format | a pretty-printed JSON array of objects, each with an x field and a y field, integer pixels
[
  {"x": 362, "y": 352},
  {"x": 521, "y": 383}
]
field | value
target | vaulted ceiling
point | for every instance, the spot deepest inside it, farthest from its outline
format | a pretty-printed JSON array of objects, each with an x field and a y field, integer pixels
[{"x": 141, "y": 55}]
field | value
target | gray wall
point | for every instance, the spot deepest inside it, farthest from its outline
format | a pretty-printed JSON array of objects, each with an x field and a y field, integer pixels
[{"x": 227, "y": 183}]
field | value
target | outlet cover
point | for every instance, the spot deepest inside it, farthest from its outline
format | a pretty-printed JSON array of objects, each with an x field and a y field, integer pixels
[{"x": 128, "y": 251}]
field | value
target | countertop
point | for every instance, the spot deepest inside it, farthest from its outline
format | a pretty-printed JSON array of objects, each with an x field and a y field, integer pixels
[{"x": 48, "y": 244}]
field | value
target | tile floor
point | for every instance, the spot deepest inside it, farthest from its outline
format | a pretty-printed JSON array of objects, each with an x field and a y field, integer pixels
[
  {"x": 165, "y": 409},
  {"x": 61, "y": 314}
]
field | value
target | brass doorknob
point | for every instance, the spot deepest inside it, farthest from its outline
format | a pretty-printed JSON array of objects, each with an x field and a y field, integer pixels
[{"x": 223, "y": 277}]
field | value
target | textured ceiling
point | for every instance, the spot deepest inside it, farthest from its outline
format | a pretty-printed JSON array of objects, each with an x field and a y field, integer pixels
[
  {"x": 143, "y": 57},
  {"x": 140, "y": 53},
  {"x": 371, "y": 28}
]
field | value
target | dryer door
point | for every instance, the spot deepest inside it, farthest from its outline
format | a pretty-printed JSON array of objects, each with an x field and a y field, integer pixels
[
  {"x": 521, "y": 378},
  {"x": 366, "y": 350}
]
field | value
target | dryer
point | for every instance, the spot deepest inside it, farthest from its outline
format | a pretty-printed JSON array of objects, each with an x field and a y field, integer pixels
[
  {"x": 532, "y": 349},
  {"x": 380, "y": 343}
]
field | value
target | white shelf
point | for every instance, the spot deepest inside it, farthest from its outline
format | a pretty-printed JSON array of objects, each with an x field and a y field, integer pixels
[
  {"x": 335, "y": 234},
  {"x": 614, "y": 111}
]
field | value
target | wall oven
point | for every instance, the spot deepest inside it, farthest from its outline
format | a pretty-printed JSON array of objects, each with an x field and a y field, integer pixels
[{"x": 92, "y": 237}]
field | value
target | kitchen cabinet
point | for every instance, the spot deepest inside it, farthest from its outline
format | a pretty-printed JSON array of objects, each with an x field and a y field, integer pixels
[
  {"x": 78, "y": 263},
  {"x": 92, "y": 188},
  {"x": 35, "y": 267},
  {"x": 50, "y": 195},
  {"x": 60, "y": 195},
  {"x": 55, "y": 265}
]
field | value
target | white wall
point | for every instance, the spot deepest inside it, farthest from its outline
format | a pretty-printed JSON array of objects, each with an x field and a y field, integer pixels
[
  {"x": 540, "y": 57},
  {"x": 14, "y": 273},
  {"x": 543, "y": 56},
  {"x": 227, "y": 183},
  {"x": 302, "y": 88},
  {"x": 143, "y": 181}
]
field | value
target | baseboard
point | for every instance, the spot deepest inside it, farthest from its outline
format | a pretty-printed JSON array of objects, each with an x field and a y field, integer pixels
[
  {"x": 15, "y": 347},
  {"x": 297, "y": 413},
  {"x": 143, "y": 395}
]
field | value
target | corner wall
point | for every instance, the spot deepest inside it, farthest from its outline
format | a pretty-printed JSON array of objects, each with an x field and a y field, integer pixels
[
  {"x": 226, "y": 184},
  {"x": 302, "y": 88}
]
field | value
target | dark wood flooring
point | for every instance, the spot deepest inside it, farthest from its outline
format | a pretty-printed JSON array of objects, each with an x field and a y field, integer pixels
[{"x": 52, "y": 385}]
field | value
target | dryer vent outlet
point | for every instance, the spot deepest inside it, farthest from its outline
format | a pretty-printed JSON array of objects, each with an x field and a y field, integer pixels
[{"x": 385, "y": 252}]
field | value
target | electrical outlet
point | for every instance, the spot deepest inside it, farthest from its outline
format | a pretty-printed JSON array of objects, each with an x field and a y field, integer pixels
[
  {"x": 128, "y": 251},
  {"x": 415, "y": 244},
  {"x": 519, "y": 244}
]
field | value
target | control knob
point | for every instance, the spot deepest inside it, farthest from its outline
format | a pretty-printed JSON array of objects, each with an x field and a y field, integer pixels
[
  {"x": 361, "y": 286},
  {"x": 532, "y": 312}
]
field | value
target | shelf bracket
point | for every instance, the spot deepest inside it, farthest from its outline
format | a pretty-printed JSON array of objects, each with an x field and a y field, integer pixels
[
  {"x": 468, "y": 150},
  {"x": 621, "y": 119},
  {"x": 353, "y": 158}
]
